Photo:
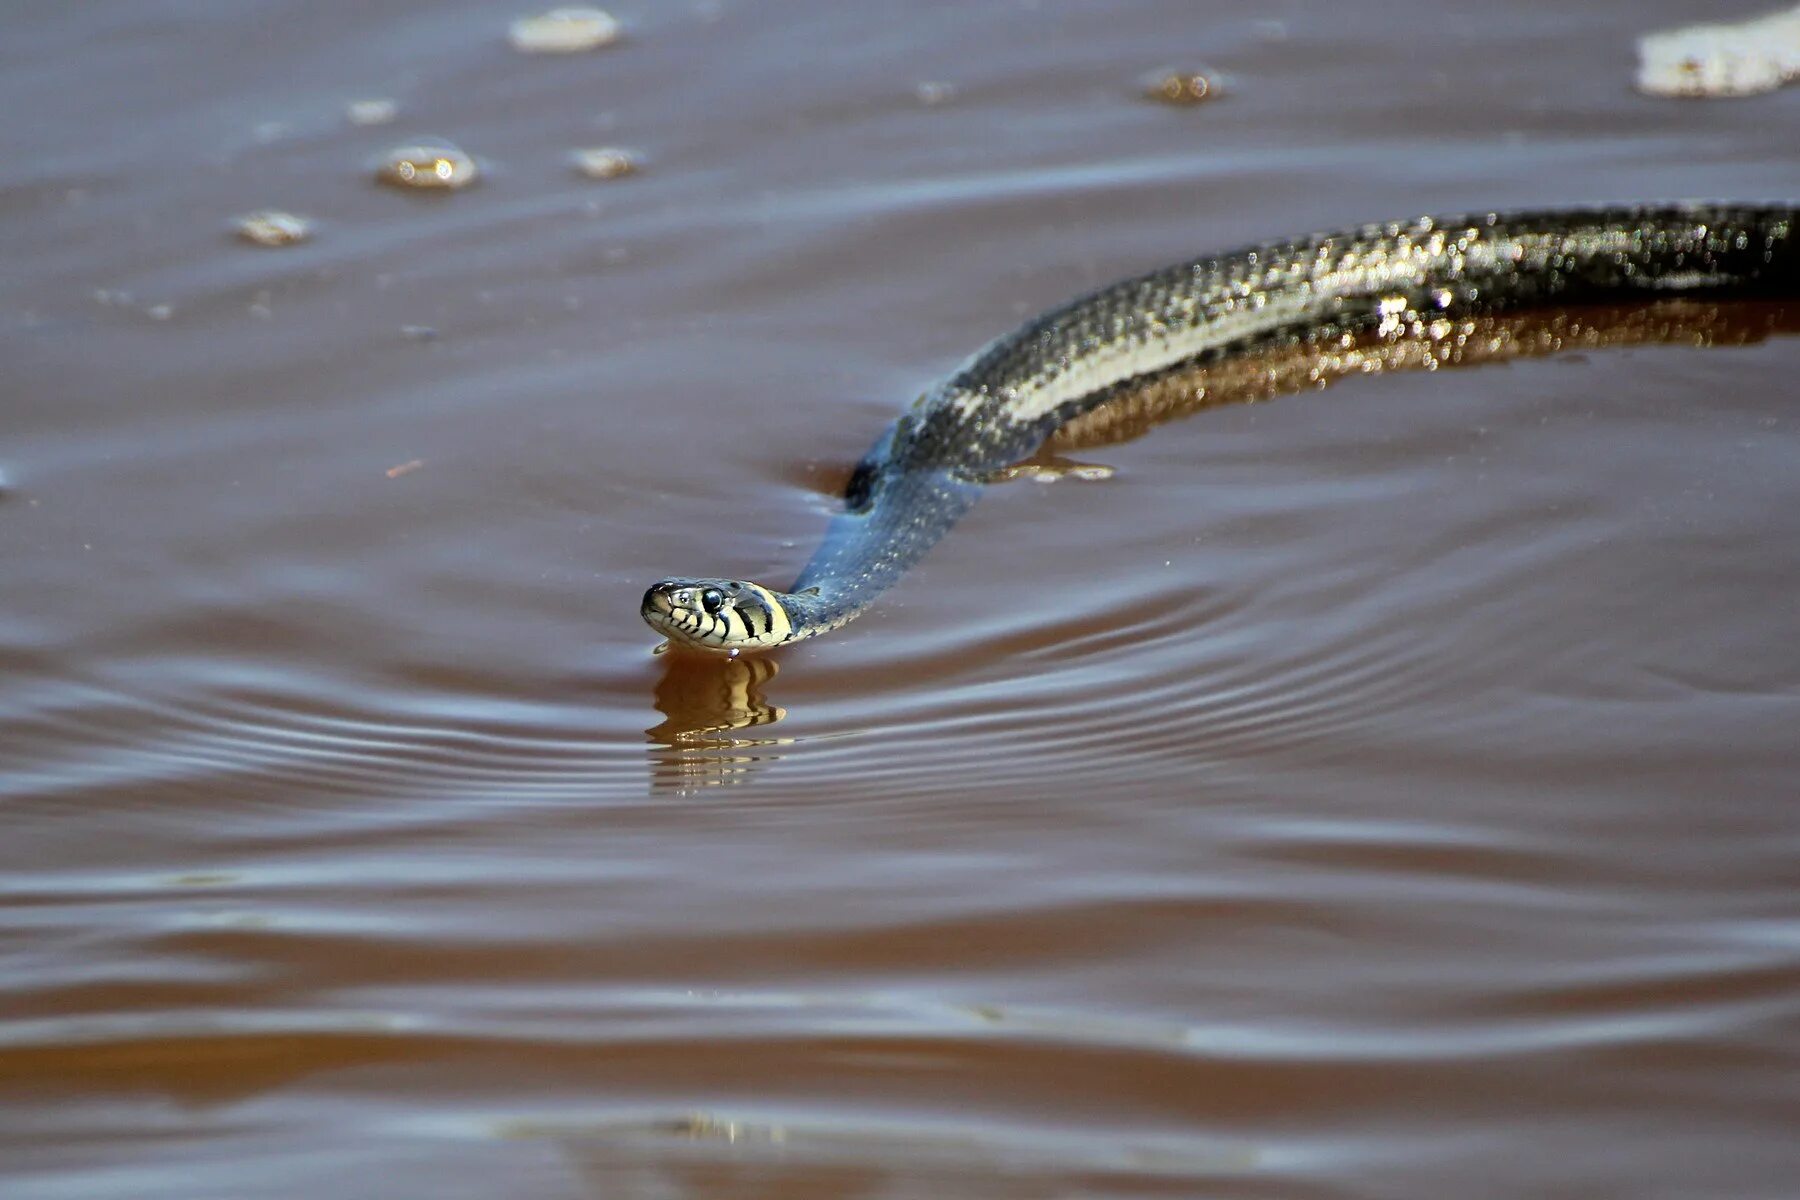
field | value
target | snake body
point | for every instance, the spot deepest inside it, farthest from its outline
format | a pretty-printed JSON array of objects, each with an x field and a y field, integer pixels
[{"x": 932, "y": 463}]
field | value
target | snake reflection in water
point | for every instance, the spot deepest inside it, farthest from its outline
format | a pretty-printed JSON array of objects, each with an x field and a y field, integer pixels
[{"x": 1409, "y": 283}]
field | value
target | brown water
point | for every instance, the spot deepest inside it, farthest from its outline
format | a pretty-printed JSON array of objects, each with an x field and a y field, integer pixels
[{"x": 1388, "y": 791}]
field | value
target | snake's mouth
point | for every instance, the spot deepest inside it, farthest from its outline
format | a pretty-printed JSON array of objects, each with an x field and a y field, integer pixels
[{"x": 668, "y": 611}]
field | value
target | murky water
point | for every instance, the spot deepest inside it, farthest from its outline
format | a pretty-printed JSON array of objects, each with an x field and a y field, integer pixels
[{"x": 1385, "y": 791}]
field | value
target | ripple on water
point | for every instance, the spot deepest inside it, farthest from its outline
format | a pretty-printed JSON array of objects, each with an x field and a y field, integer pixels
[{"x": 238, "y": 742}]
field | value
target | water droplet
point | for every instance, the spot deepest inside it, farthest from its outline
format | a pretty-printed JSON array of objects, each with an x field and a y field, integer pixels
[
  {"x": 605, "y": 162},
  {"x": 273, "y": 227},
  {"x": 1182, "y": 87},
  {"x": 371, "y": 112},
  {"x": 434, "y": 165},
  {"x": 564, "y": 31}
]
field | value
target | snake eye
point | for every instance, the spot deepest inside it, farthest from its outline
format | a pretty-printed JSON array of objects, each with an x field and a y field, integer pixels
[{"x": 712, "y": 599}]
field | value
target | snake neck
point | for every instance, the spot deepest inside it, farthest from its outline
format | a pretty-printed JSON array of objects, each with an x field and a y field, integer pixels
[
  {"x": 812, "y": 612},
  {"x": 897, "y": 506}
]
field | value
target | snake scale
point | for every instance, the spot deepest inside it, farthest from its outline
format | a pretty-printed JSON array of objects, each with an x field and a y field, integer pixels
[{"x": 932, "y": 463}]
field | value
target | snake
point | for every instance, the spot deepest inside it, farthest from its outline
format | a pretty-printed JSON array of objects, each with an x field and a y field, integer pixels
[{"x": 932, "y": 463}]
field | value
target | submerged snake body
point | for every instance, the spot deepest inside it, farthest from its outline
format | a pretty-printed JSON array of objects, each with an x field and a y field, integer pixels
[{"x": 929, "y": 467}]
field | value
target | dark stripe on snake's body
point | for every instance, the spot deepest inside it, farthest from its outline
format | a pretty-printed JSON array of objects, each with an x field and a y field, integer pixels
[{"x": 927, "y": 469}]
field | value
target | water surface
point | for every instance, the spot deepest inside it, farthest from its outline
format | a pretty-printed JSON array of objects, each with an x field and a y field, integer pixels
[{"x": 1383, "y": 791}]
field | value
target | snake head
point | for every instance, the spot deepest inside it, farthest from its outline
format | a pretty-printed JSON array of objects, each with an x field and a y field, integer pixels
[{"x": 726, "y": 615}]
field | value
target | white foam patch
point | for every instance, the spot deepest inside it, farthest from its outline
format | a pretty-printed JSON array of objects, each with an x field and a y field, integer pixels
[{"x": 1738, "y": 59}]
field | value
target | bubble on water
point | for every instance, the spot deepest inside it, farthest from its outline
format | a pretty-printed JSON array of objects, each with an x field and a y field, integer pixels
[
  {"x": 371, "y": 112},
  {"x": 435, "y": 165},
  {"x": 605, "y": 162},
  {"x": 273, "y": 227},
  {"x": 1182, "y": 88},
  {"x": 564, "y": 31},
  {"x": 934, "y": 93}
]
